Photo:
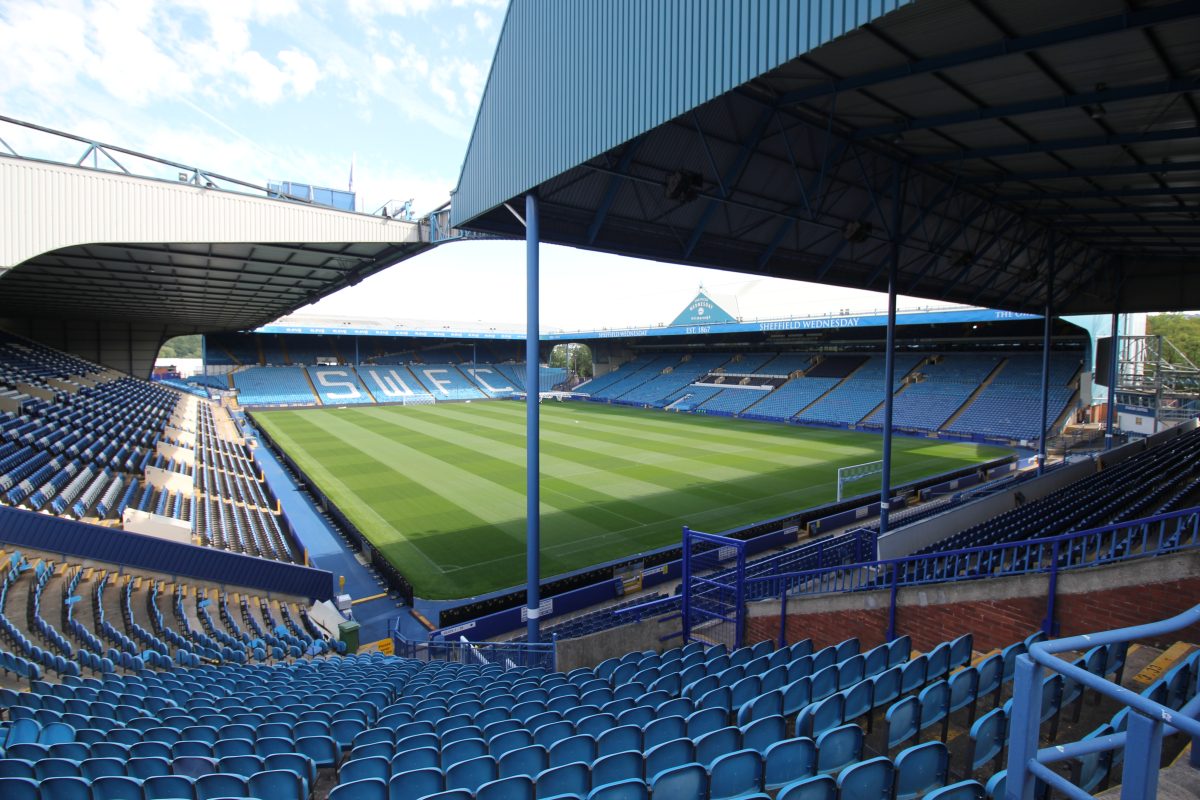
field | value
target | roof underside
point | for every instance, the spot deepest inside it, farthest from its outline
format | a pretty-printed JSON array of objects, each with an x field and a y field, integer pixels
[
  {"x": 1013, "y": 152},
  {"x": 189, "y": 287}
]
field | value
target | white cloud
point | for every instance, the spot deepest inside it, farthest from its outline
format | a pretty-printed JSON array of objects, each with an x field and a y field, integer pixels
[
  {"x": 301, "y": 70},
  {"x": 39, "y": 47},
  {"x": 482, "y": 21},
  {"x": 368, "y": 9},
  {"x": 382, "y": 65},
  {"x": 335, "y": 67},
  {"x": 470, "y": 79}
]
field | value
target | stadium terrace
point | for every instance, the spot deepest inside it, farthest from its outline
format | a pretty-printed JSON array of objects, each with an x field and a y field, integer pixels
[{"x": 937, "y": 554}]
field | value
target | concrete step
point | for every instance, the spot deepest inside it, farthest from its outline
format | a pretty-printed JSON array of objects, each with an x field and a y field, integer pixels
[{"x": 1179, "y": 781}]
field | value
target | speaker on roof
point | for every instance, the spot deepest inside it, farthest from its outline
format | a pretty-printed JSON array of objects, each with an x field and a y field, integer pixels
[
  {"x": 857, "y": 231},
  {"x": 1103, "y": 371},
  {"x": 683, "y": 185}
]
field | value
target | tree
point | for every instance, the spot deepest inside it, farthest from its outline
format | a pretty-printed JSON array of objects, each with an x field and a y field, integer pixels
[
  {"x": 181, "y": 347},
  {"x": 573, "y": 357},
  {"x": 1183, "y": 330},
  {"x": 582, "y": 356}
]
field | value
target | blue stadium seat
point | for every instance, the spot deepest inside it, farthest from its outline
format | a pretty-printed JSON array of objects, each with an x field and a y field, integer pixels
[
  {"x": 838, "y": 748},
  {"x": 962, "y": 790},
  {"x": 416, "y": 784},
  {"x": 735, "y": 775},
  {"x": 818, "y": 787},
  {"x": 921, "y": 769},
  {"x": 868, "y": 779},
  {"x": 787, "y": 761}
]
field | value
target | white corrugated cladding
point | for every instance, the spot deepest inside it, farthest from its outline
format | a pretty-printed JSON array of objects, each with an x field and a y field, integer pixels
[{"x": 44, "y": 207}]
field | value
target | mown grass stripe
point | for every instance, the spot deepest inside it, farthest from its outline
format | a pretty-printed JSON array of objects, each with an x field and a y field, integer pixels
[{"x": 439, "y": 490}]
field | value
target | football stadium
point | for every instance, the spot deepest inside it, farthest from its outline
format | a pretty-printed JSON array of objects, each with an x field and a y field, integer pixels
[{"x": 947, "y": 552}]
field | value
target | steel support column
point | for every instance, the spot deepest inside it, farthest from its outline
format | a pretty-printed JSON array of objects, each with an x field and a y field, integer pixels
[
  {"x": 1114, "y": 366},
  {"x": 1051, "y": 265},
  {"x": 532, "y": 459},
  {"x": 889, "y": 358}
]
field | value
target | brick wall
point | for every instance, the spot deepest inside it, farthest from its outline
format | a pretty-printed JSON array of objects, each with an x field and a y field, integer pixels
[{"x": 1000, "y": 611}]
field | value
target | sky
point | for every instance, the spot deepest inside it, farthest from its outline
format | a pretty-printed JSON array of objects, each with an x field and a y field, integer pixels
[{"x": 304, "y": 90}]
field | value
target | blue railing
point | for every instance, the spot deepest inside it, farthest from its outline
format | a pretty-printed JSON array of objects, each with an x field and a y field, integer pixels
[
  {"x": 1123, "y": 541},
  {"x": 1148, "y": 721},
  {"x": 509, "y": 655}
]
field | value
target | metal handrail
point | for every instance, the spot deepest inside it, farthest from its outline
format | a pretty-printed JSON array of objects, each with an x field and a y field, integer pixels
[
  {"x": 1142, "y": 739},
  {"x": 1044, "y": 654},
  {"x": 509, "y": 655},
  {"x": 102, "y": 147},
  {"x": 1046, "y": 545}
]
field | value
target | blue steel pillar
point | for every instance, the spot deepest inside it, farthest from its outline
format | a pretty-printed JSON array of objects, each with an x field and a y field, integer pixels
[
  {"x": 889, "y": 359},
  {"x": 532, "y": 456},
  {"x": 1114, "y": 366},
  {"x": 1048, "y": 322},
  {"x": 203, "y": 355}
]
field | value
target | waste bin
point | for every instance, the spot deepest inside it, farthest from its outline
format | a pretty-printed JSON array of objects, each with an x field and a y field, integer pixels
[{"x": 348, "y": 633}]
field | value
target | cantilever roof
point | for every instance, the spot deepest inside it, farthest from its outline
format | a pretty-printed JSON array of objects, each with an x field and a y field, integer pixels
[
  {"x": 110, "y": 246},
  {"x": 993, "y": 142}
]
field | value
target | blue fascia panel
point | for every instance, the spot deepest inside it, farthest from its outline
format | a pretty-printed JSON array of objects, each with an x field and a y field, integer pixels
[{"x": 932, "y": 317}]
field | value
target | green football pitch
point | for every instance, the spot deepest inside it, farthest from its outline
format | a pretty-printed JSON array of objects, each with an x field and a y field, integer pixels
[{"x": 440, "y": 490}]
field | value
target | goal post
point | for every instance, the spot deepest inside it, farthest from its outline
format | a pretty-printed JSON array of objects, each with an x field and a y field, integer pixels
[{"x": 856, "y": 472}]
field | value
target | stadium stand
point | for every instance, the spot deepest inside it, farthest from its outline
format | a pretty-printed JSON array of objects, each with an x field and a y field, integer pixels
[
  {"x": 690, "y": 397},
  {"x": 732, "y": 401},
  {"x": 273, "y": 386},
  {"x": 693, "y": 721},
  {"x": 785, "y": 364},
  {"x": 85, "y": 448},
  {"x": 749, "y": 362},
  {"x": 393, "y": 384},
  {"x": 272, "y": 351},
  {"x": 789, "y": 399},
  {"x": 859, "y": 393},
  {"x": 986, "y": 395},
  {"x": 937, "y": 391},
  {"x": 1155, "y": 481},
  {"x": 445, "y": 382},
  {"x": 513, "y": 375},
  {"x": 339, "y": 386},
  {"x": 136, "y": 621},
  {"x": 494, "y": 380},
  {"x": 210, "y": 381},
  {"x": 1009, "y": 406},
  {"x": 628, "y": 376},
  {"x": 672, "y": 378}
]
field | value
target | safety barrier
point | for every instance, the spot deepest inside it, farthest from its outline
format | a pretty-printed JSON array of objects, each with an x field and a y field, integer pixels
[
  {"x": 508, "y": 655},
  {"x": 1141, "y": 538},
  {"x": 1148, "y": 721}
]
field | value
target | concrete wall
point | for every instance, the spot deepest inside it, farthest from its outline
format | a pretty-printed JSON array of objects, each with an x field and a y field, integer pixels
[
  {"x": 587, "y": 651},
  {"x": 148, "y": 524},
  {"x": 171, "y": 481}
]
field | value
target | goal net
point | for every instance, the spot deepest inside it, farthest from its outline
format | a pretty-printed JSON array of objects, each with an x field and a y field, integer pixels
[
  {"x": 418, "y": 400},
  {"x": 847, "y": 475}
]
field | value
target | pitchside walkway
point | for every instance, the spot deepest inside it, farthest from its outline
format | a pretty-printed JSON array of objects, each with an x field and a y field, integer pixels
[{"x": 327, "y": 550}]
